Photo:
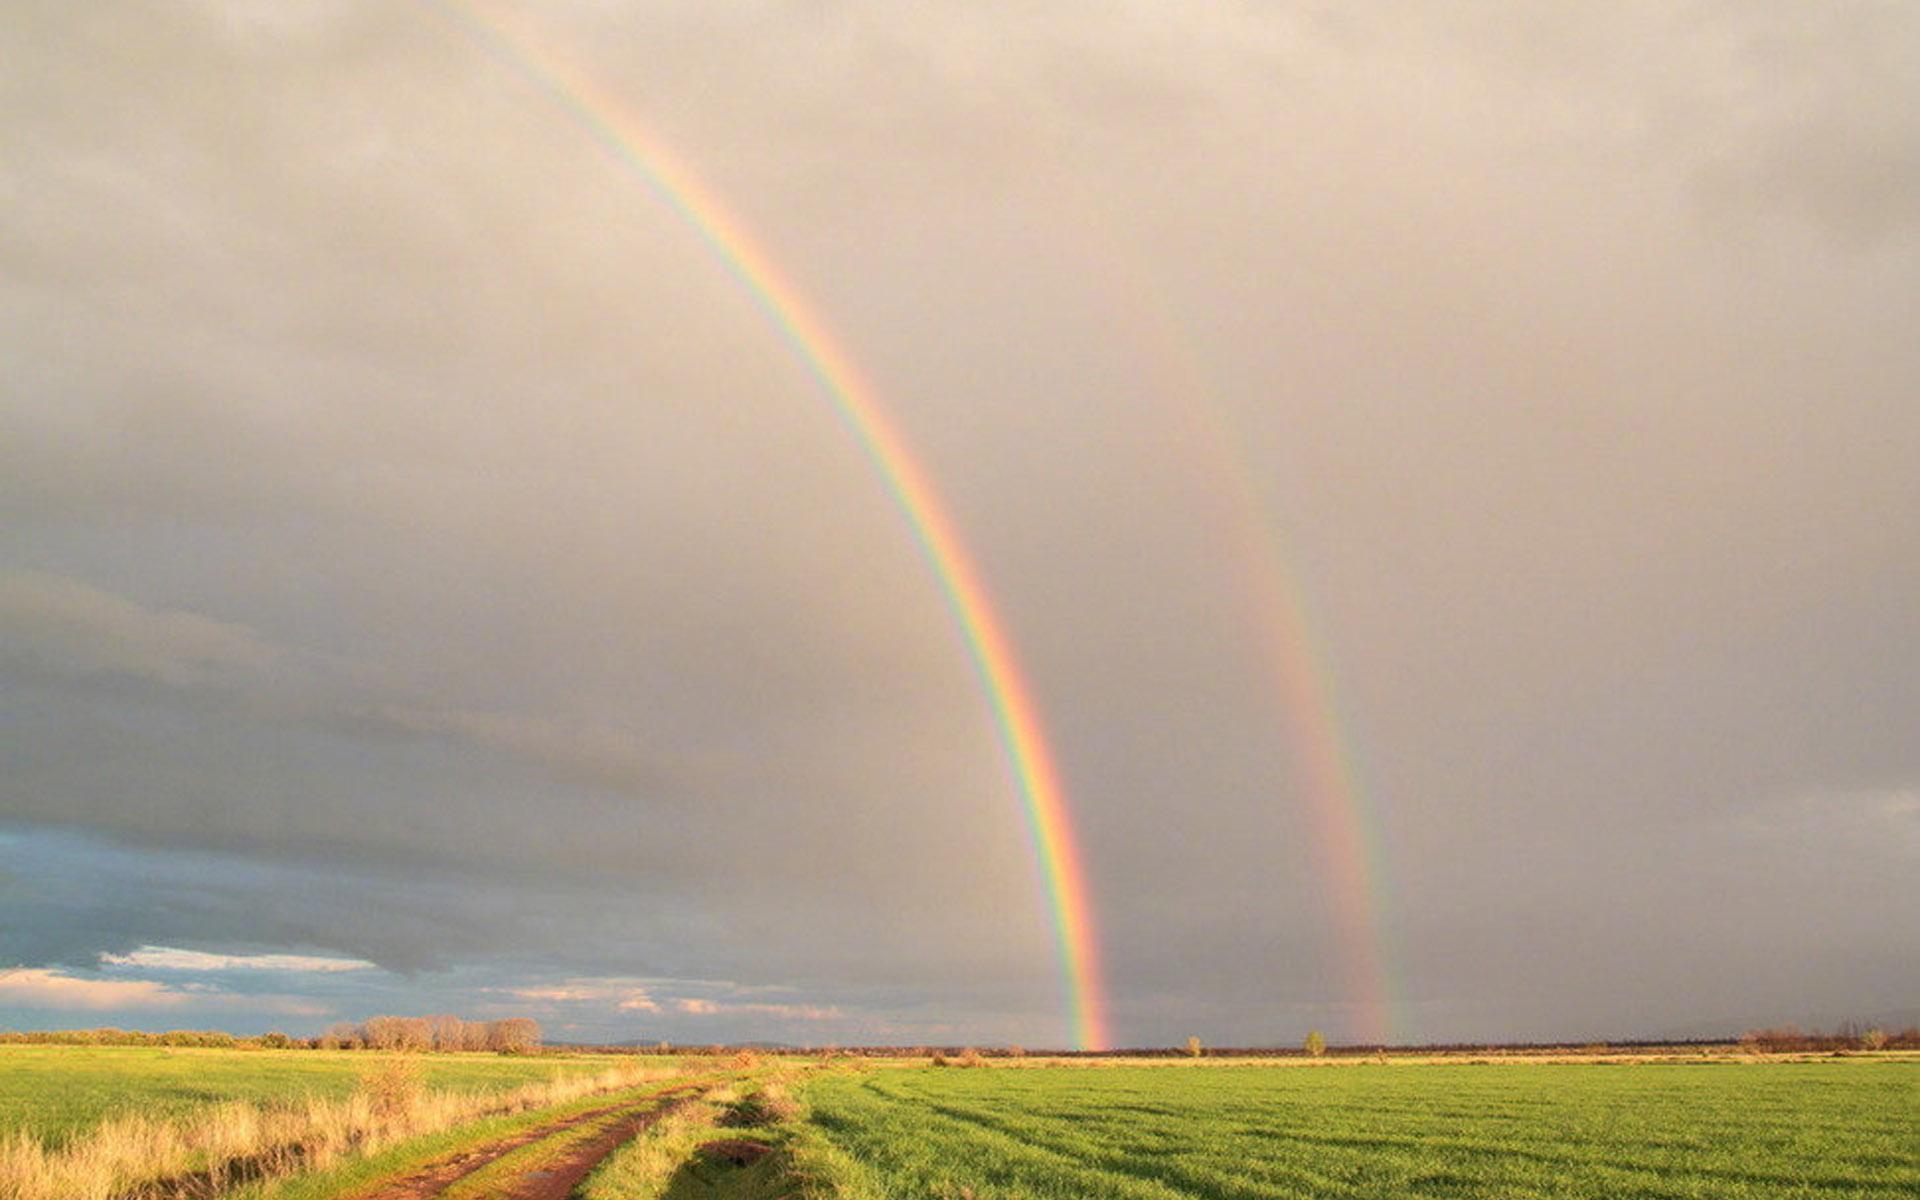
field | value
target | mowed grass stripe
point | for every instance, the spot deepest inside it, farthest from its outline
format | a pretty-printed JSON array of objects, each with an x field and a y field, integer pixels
[
  {"x": 1105, "y": 1145},
  {"x": 912, "y": 1152},
  {"x": 1841, "y": 1128}
]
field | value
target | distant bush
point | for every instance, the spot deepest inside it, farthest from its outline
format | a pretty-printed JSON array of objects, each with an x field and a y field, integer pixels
[
  {"x": 1194, "y": 1048},
  {"x": 1316, "y": 1044}
]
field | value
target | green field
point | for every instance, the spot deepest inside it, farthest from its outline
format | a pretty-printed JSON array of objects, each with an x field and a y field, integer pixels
[
  {"x": 1836, "y": 1128},
  {"x": 54, "y": 1091}
]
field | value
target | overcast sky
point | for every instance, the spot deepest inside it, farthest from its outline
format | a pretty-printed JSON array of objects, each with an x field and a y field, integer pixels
[{"x": 428, "y": 583}]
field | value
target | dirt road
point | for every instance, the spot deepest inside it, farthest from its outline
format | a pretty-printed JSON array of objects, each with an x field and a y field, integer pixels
[{"x": 555, "y": 1178}]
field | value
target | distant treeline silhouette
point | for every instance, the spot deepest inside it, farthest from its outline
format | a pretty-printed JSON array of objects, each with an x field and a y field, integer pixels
[
  {"x": 109, "y": 1036},
  {"x": 514, "y": 1035},
  {"x": 1782, "y": 1039}
]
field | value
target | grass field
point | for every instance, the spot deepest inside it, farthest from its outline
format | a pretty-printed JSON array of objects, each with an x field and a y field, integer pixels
[
  {"x": 54, "y": 1092},
  {"x": 1836, "y": 1128},
  {"x": 1729, "y": 1127}
]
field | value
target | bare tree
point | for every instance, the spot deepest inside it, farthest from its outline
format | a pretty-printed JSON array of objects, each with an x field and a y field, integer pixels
[
  {"x": 397, "y": 1033},
  {"x": 515, "y": 1035},
  {"x": 446, "y": 1032}
]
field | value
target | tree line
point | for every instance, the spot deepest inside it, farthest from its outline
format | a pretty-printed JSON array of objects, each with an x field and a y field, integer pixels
[
  {"x": 513, "y": 1035},
  {"x": 1793, "y": 1039}
]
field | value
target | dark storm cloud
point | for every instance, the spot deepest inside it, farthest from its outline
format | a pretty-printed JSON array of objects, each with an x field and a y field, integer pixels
[{"x": 395, "y": 492}]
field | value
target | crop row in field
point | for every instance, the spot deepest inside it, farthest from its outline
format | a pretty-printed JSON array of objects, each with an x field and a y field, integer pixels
[{"x": 1833, "y": 1129}]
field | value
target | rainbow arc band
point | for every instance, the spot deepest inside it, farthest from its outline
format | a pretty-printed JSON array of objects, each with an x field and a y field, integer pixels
[
  {"x": 1298, "y": 655},
  {"x": 780, "y": 301}
]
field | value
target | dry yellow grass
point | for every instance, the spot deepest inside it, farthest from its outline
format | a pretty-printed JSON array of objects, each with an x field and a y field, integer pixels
[{"x": 133, "y": 1154}]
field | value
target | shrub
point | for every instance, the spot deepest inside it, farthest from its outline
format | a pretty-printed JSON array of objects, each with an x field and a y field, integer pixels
[
  {"x": 1316, "y": 1045},
  {"x": 1194, "y": 1048},
  {"x": 393, "y": 1087},
  {"x": 771, "y": 1105}
]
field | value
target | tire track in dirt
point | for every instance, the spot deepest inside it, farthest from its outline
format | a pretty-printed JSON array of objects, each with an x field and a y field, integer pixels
[
  {"x": 554, "y": 1182},
  {"x": 557, "y": 1179}
]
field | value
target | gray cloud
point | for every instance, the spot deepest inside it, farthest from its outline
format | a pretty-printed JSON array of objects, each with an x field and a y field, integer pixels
[{"x": 396, "y": 491}]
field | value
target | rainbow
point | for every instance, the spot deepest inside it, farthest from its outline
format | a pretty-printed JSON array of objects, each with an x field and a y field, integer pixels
[
  {"x": 1329, "y": 770},
  {"x": 780, "y": 301},
  {"x": 1298, "y": 663}
]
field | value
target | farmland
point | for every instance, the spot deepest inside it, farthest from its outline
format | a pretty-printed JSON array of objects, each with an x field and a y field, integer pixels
[
  {"x": 1829, "y": 1128},
  {"x": 53, "y": 1092},
  {"x": 1726, "y": 1124}
]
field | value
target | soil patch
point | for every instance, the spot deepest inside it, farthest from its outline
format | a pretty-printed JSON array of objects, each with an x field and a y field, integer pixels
[{"x": 740, "y": 1152}]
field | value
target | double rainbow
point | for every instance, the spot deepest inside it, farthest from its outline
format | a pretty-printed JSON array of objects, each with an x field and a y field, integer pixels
[{"x": 780, "y": 301}]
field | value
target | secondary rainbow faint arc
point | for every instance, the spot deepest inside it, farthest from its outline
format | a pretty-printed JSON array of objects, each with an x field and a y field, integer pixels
[
  {"x": 1298, "y": 658},
  {"x": 1015, "y": 711},
  {"x": 1300, "y": 665}
]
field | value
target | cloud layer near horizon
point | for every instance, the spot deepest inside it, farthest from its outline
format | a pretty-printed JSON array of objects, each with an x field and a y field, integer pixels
[{"x": 418, "y": 551}]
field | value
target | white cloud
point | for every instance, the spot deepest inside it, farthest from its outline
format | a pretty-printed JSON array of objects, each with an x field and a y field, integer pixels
[
  {"x": 695, "y": 1006},
  {"x": 35, "y": 987},
  {"x": 41, "y": 988},
  {"x": 168, "y": 958},
  {"x": 624, "y": 995},
  {"x": 555, "y": 995}
]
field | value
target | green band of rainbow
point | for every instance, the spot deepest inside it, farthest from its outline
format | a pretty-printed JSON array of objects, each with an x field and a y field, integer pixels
[{"x": 840, "y": 380}]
